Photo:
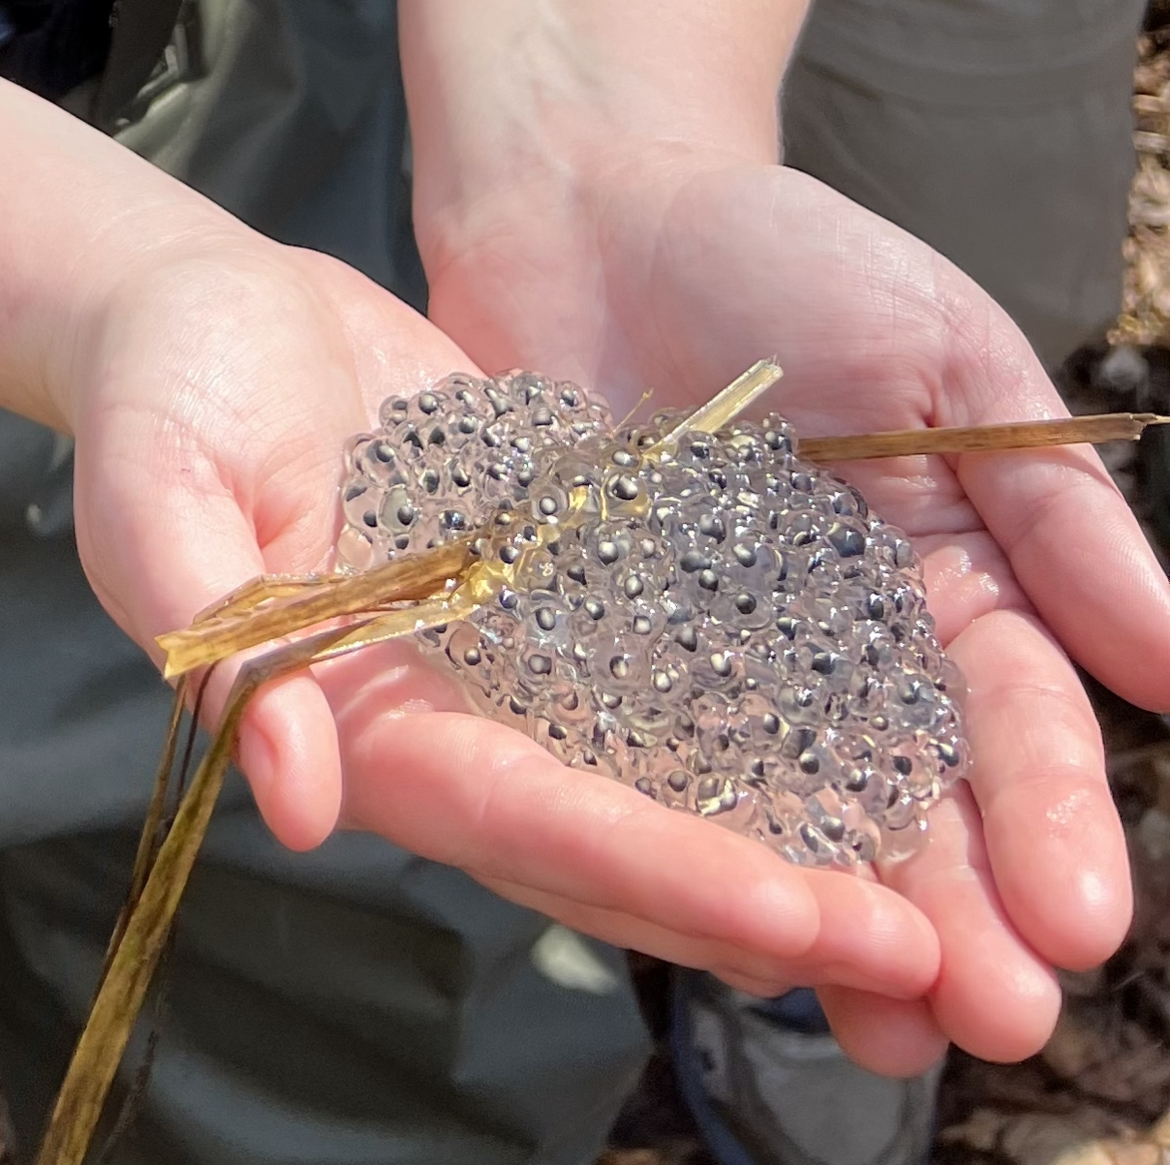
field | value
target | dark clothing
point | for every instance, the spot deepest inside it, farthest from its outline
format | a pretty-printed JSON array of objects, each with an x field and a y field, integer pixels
[{"x": 52, "y": 46}]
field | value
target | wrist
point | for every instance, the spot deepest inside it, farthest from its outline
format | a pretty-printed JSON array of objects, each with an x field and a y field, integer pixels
[
  {"x": 85, "y": 220},
  {"x": 517, "y": 94},
  {"x": 108, "y": 316}
]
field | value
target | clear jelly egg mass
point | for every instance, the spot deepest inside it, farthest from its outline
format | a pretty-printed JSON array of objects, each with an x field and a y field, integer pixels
[{"x": 726, "y": 628}]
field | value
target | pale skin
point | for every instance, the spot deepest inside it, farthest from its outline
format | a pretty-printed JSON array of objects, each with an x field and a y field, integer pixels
[{"x": 606, "y": 207}]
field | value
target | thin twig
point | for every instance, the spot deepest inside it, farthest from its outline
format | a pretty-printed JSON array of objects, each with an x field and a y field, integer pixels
[
  {"x": 981, "y": 438},
  {"x": 413, "y": 578}
]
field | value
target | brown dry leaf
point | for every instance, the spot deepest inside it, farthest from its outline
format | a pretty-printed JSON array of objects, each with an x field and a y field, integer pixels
[
  {"x": 669, "y": 1154},
  {"x": 1145, "y": 314},
  {"x": 1073, "y": 1048},
  {"x": 1138, "y": 1153},
  {"x": 1125, "y": 1153},
  {"x": 980, "y": 1131},
  {"x": 1092, "y": 1154},
  {"x": 1160, "y": 1133},
  {"x": 1041, "y": 1138},
  {"x": 1037, "y": 1138}
]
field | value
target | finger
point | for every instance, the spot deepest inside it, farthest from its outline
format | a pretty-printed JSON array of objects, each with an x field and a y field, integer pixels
[
  {"x": 287, "y": 744},
  {"x": 478, "y": 795},
  {"x": 1071, "y": 538},
  {"x": 994, "y": 996},
  {"x": 883, "y": 961},
  {"x": 892, "y": 1037},
  {"x": 769, "y": 987},
  {"x": 1053, "y": 836},
  {"x": 624, "y": 930}
]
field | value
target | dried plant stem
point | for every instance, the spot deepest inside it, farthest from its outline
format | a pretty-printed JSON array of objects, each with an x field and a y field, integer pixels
[
  {"x": 981, "y": 438},
  {"x": 726, "y": 405},
  {"x": 226, "y": 632},
  {"x": 131, "y": 965},
  {"x": 151, "y": 837}
]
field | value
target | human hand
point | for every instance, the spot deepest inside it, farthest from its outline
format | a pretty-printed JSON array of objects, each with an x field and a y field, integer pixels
[
  {"x": 216, "y": 392},
  {"x": 664, "y": 264},
  {"x": 211, "y": 378}
]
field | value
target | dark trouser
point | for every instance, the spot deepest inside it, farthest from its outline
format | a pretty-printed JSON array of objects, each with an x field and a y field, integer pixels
[{"x": 999, "y": 132}]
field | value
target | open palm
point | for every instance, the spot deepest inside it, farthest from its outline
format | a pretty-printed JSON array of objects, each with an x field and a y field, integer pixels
[
  {"x": 676, "y": 267},
  {"x": 223, "y": 383}
]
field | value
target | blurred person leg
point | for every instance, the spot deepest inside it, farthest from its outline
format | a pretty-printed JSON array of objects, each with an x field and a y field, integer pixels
[{"x": 767, "y": 1083}]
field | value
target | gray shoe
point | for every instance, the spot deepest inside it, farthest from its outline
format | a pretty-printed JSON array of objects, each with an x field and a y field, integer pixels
[{"x": 768, "y": 1084}]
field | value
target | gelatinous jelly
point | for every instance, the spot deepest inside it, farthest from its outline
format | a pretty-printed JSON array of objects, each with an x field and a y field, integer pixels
[{"x": 726, "y": 628}]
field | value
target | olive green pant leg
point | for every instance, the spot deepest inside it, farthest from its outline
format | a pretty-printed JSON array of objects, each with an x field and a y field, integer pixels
[{"x": 999, "y": 133}]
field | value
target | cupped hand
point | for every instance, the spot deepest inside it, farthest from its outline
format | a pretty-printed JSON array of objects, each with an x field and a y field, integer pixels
[
  {"x": 214, "y": 399},
  {"x": 675, "y": 267}
]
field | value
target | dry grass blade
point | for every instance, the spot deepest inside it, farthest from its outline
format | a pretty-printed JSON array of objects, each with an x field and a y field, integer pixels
[
  {"x": 411, "y": 579},
  {"x": 119, "y": 999},
  {"x": 981, "y": 438},
  {"x": 131, "y": 965},
  {"x": 726, "y": 405},
  {"x": 151, "y": 838}
]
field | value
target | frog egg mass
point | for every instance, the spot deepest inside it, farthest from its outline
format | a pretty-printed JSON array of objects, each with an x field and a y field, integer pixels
[{"x": 722, "y": 626}]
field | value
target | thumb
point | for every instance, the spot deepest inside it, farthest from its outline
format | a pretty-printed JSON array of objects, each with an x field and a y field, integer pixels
[{"x": 210, "y": 452}]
